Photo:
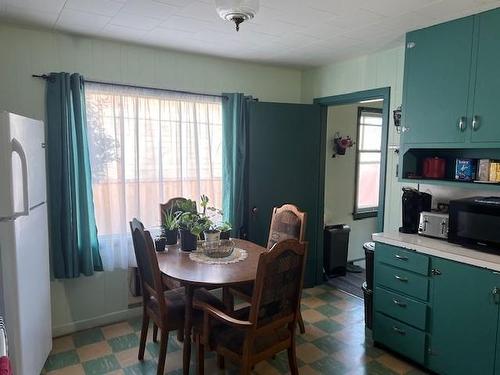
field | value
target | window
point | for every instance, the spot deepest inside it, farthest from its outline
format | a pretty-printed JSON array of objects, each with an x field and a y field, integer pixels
[
  {"x": 368, "y": 158},
  {"x": 147, "y": 146}
]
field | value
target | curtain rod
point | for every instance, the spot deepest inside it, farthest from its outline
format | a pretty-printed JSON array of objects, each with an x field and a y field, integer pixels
[{"x": 46, "y": 76}]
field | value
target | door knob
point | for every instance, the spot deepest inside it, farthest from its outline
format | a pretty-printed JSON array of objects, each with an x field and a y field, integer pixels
[
  {"x": 475, "y": 123},
  {"x": 462, "y": 123},
  {"x": 255, "y": 210}
]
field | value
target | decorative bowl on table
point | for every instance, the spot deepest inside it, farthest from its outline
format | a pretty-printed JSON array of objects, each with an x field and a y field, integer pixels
[{"x": 218, "y": 249}]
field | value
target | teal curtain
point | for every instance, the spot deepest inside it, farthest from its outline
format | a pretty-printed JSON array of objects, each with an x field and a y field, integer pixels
[
  {"x": 73, "y": 231},
  {"x": 234, "y": 160}
]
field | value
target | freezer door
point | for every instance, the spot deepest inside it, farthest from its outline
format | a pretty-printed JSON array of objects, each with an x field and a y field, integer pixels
[
  {"x": 24, "y": 259},
  {"x": 22, "y": 164}
]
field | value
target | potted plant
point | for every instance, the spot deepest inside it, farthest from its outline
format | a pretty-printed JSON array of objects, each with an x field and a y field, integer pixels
[
  {"x": 170, "y": 227},
  {"x": 191, "y": 225},
  {"x": 225, "y": 230}
]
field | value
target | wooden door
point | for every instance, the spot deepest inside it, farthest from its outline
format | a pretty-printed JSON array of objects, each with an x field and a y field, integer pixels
[
  {"x": 464, "y": 319},
  {"x": 284, "y": 167},
  {"x": 487, "y": 90},
  {"x": 436, "y": 83}
]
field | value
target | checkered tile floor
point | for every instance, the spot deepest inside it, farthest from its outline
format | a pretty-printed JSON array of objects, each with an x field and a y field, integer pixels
[{"x": 335, "y": 342}]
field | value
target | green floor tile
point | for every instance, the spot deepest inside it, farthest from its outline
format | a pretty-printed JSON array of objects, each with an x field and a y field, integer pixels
[
  {"x": 329, "y": 310},
  {"x": 376, "y": 368},
  {"x": 60, "y": 360},
  {"x": 328, "y": 344},
  {"x": 101, "y": 365},
  {"x": 328, "y": 297},
  {"x": 328, "y": 326},
  {"x": 328, "y": 365},
  {"x": 136, "y": 323},
  {"x": 89, "y": 336},
  {"x": 281, "y": 362},
  {"x": 142, "y": 368},
  {"x": 124, "y": 342}
]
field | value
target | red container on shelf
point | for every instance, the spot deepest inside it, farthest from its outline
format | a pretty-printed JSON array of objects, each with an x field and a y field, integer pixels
[{"x": 433, "y": 167}]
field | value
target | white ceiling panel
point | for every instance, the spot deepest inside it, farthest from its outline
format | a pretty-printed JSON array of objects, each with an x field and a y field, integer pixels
[
  {"x": 69, "y": 18},
  {"x": 135, "y": 22},
  {"x": 102, "y": 7},
  {"x": 286, "y": 32}
]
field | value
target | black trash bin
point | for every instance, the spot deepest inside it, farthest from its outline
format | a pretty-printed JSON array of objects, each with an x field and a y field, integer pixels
[
  {"x": 369, "y": 248},
  {"x": 367, "y": 287},
  {"x": 336, "y": 244},
  {"x": 368, "y": 297}
]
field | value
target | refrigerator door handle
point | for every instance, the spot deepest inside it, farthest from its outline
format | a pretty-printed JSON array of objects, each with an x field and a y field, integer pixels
[{"x": 18, "y": 149}]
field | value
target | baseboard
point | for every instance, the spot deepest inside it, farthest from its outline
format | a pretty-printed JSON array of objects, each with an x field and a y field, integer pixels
[{"x": 97, "y": 321}]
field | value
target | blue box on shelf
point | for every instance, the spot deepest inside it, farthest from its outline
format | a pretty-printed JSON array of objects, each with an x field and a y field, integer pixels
[{"x": 465, "y": 169}]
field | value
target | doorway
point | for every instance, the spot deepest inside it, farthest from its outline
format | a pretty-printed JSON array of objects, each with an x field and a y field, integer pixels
[{"x": 355, "y": 140}]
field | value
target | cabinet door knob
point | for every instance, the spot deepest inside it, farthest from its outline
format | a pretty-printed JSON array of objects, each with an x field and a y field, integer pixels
[
  {"x": 462, "y": 123},
  {"x": 475, "y": 123},
  {"x": 435, "y": 272},
  {"x": 496, "y": 295}
]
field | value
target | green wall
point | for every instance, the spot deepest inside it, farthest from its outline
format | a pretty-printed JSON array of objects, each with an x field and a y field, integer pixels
[
  {"x": 380, "y": 69},
  {"x": 87, "y": 301}
]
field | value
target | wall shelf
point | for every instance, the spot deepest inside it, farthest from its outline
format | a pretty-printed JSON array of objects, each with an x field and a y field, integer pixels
[{"x": 452, "y": 183}]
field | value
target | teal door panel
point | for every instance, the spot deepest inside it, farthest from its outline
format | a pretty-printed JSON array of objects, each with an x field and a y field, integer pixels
[
  {"x": 284, "y": 167},
  {"x": 464, "y": 319},
  {"x": 436, "y": 83},
  {"x": 487, "y": 89}
]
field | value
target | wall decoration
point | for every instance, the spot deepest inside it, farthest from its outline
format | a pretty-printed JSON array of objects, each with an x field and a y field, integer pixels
[{"x": 341, "y": 144}]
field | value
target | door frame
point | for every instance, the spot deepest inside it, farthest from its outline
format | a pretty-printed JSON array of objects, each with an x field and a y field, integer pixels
[{"x": 350, "y": 98}]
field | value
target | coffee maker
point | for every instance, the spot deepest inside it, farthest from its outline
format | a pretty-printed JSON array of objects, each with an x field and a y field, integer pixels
[{"x": 414, "y": 202}]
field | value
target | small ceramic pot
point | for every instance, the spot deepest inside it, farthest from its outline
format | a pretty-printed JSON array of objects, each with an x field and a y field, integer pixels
[
  {"x": 212, "y": 235},
  {"x": 171, "y": 236},
  {"x": 188, "y": 240},
  {"x": 225, "y": 235},
  {"x": 160, "y": 243}
]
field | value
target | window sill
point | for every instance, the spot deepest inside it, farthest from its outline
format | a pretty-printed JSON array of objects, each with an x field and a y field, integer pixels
[{"x": 364, "y": 215}]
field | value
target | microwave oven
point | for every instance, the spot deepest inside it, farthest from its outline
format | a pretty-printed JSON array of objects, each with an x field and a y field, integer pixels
[{"x": 475, "y": 222}]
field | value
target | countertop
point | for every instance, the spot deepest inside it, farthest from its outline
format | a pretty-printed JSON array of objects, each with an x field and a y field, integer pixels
[{"x": 439, "y": 248}]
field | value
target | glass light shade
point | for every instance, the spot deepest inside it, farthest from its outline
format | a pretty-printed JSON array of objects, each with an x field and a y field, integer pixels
[{"x": 231, "y": 9}]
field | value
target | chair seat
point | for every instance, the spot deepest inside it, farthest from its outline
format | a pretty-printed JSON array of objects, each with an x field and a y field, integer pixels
[
  {"x": 244, "y": 289},
  {"x": 175, "y": 301},
  {"x": 232, "y": 338}
]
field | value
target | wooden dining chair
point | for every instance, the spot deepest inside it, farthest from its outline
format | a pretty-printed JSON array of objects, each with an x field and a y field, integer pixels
[
  {"x": 267, "y": 327},
  {"x": 166, "y": 308},
  {"x": 287, "y": 222}
]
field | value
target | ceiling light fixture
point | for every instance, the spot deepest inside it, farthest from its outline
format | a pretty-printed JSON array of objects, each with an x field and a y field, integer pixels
[{"x": 237, "y": 11}]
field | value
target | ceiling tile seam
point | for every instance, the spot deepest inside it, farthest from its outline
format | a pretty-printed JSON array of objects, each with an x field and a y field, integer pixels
[{"x": 59, "y": 15}]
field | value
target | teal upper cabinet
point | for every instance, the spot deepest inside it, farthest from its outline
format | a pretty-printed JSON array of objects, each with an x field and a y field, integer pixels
[
  {"x": 452, "y": 84},
  {"x": 464, "y": 319},
  {"x": 436, "y": 83},
  {"x": 486, "y": 125}
]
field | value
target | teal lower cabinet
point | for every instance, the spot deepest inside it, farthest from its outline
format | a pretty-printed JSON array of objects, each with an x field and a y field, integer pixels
[
  {"x": 444, "y": 317},
  {"x": 464, "y": 319}
]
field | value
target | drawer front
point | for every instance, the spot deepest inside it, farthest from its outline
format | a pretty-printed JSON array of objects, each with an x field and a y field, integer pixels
[
  {"x": 403, "y": 281},
  {"x": 401, "y": 308},
  {"x": 399, "y": 337},
  {"x": 398, "y": 257}
]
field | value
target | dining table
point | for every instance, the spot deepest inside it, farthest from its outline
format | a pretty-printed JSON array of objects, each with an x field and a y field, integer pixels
[{"x": 178, "y": 265}]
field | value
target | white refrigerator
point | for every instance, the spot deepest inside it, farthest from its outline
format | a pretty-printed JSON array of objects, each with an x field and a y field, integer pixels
[{"x": 24, "y": 247}]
